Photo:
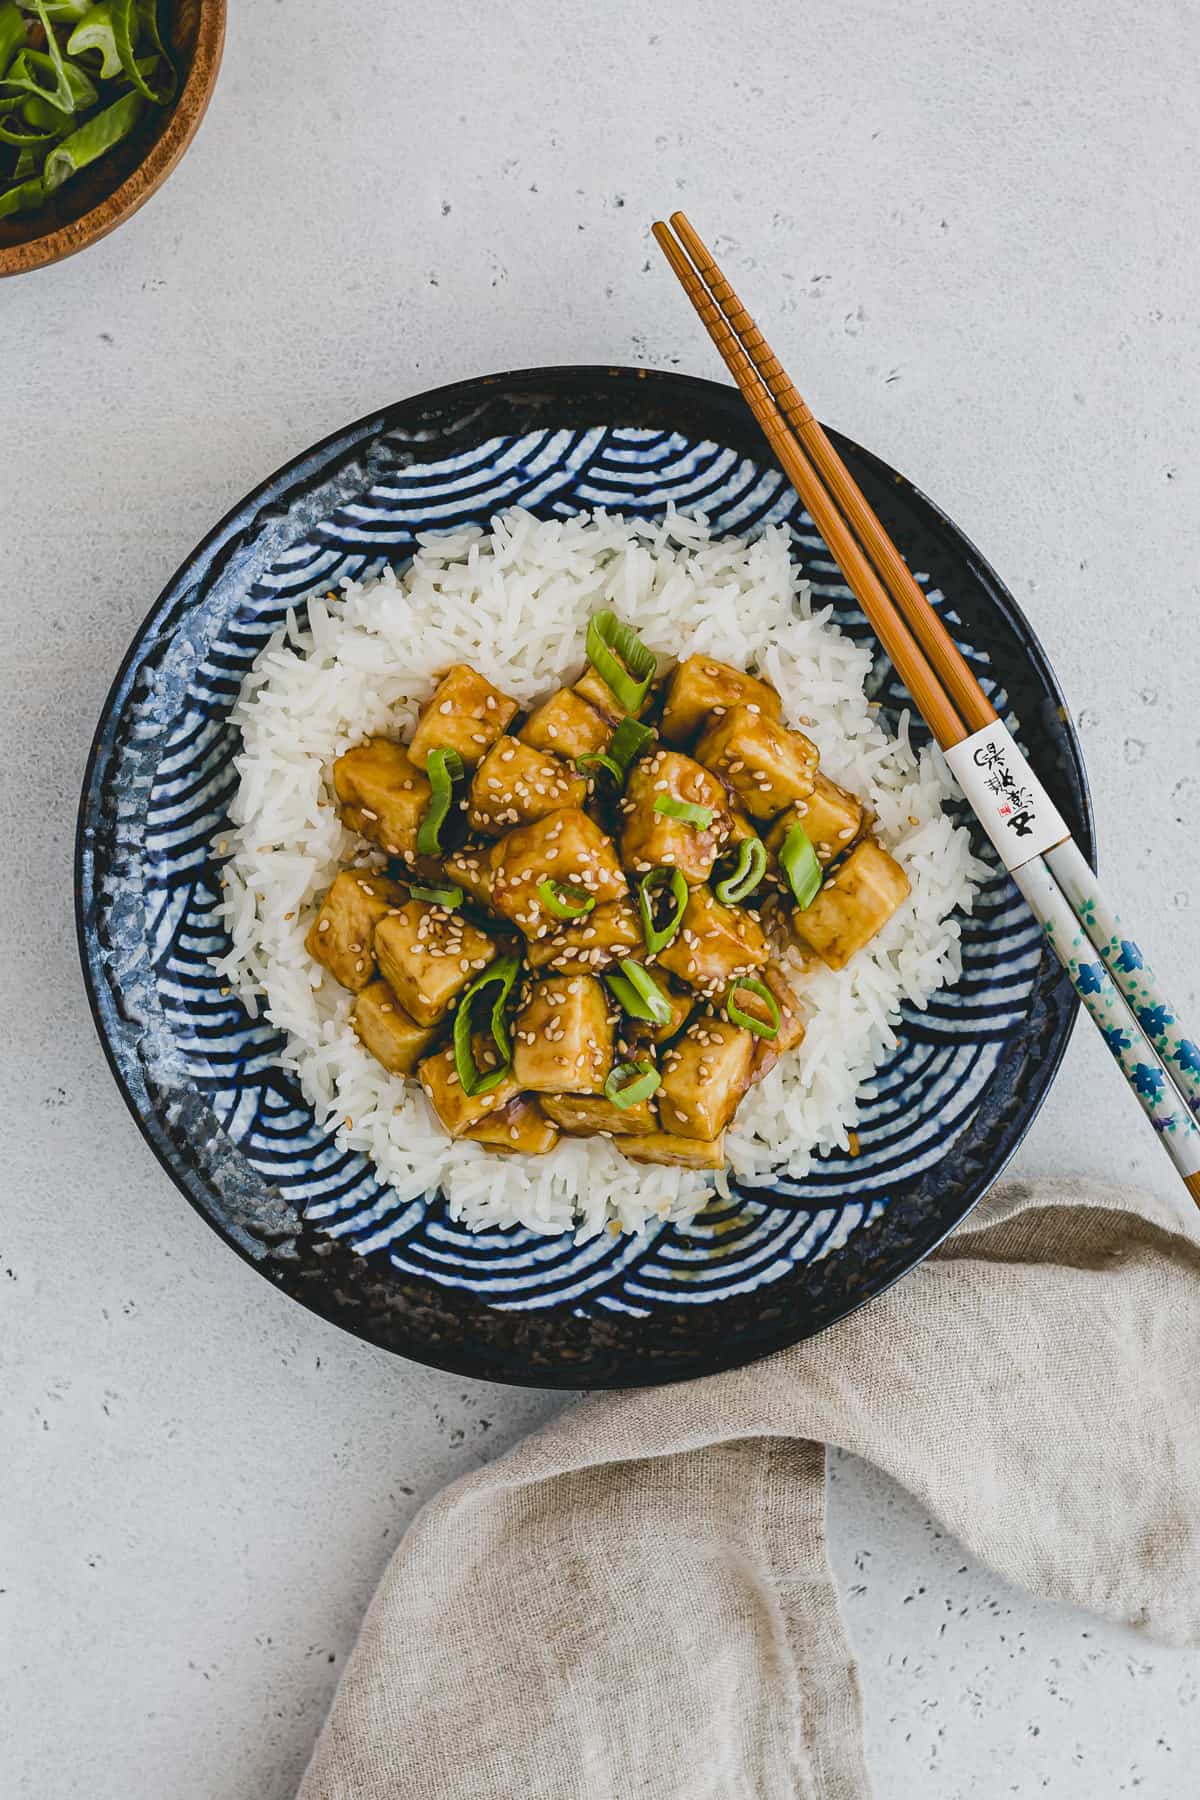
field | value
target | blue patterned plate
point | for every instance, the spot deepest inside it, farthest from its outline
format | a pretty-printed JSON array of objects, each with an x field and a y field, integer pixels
[{"x": 754, "y": 1273}]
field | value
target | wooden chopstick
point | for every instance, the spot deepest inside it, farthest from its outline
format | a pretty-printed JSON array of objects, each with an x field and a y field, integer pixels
[
  {"x": 1068, "y": 905},
  {"x": 908, "y": 658},
  {"x": 973, "y": 704}
]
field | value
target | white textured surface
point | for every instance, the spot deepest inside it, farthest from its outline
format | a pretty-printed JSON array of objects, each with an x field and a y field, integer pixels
[{"x": 971, "y": 234}]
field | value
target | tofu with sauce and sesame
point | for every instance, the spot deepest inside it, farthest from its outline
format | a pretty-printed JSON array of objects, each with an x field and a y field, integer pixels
[
  {"x": 382, "y": 794},
  {"x": 652, "y": 838},
  {"x": 567, "y": 848},
  {"x": 515, "y": 784},
  {"x": 342, "y": 936},
  {"x": 519, "y": 972},
  {"x": 701, "y": 690},
  {"x": 466, "y": 713},
  {"x": 767, "y": 766},
  {"x": 428, "y": 956},
  {"x": 853, "y": 906},
  {"x": 563, "y": 1036}
]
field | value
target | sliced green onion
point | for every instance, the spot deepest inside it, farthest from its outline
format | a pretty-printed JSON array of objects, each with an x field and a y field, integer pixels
[
  {"x": 738, "y": 1016},
  {"x": 45, "y": 77},
  {"x": 685, "y": 811},
  {"x": 748, "y": 871},
  {"x": 12, "y": 32},
  {"x": 449, "y": 897},
  {"x": 628, "y": 741},
  {"x": 126, "y": 20},
  {"x": 93, "y": 138},
  {"x": 603, "y": 764},
  {"x": 95, "y": 32},
  {"x": 659, "y": 936},
  {"x": 475, "y": 1080},
  {"x": 620, "y": 658},
  {"x": 631, "y": 1082},
  {"x": 799, "y": 862},
  {"x": 636, "y": 990},
  {"x": 444, "y": 768},
  {"x": 563, "y": 900},
  {"x": 17, "y": 199}
]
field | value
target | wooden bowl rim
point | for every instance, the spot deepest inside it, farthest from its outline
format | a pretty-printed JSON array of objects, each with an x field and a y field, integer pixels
[{"x": 149, "y": 175}]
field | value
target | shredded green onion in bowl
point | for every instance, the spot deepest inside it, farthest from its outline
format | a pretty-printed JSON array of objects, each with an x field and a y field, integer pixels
[
  {"x": 799, "y": 863},
  {"x": 475, "y": 1080},
  {"x": 630, "y": 1083},
  {"x": 76, "y": 77}
]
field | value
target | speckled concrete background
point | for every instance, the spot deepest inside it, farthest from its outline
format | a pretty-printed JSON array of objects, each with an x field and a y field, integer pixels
[{"x": 971, "y": 232}]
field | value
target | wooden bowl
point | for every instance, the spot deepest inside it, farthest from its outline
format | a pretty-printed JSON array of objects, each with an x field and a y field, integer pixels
[{"x": 102, "y": 197}]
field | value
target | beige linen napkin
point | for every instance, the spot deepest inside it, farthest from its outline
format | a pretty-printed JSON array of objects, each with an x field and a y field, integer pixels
[{"x": 635, "y": 1603}]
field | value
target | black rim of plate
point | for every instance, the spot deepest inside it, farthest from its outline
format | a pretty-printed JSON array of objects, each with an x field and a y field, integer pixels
[{"x": 451, "y": 1330}]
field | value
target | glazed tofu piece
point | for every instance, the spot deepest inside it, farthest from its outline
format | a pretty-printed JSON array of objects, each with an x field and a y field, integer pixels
[
  {"x": 466, "y": 714},
  {"x": 384, "y": 1028},
  {"x": 593, "y": 688},
  {"x": 457, "y": 1111},
  {"x": 767, "y": 1051},
  {"x": 831, "y": 817},
  {"x": 341, "y": 936},
  {"x": 704, "y": 1076},
  {"x": 856, "y": 901},
  {"x": 470, "y": 867},
  {"x": 566, "y": 725},
  {"x": 650, "y": 838},
  {"x": 382, "y": 794},
  {"x": 701, "y": 686},
  {"x": 515, "y": 784},
  {"x": 520, "y": 1128},
  {"x": 669, "y": 1147},
  {"x": 563, "y": 1036},
  {"x": 565, "y": 846},
  {"x": 607, "y": 934},
  {"x": 585, "y": 1115},
  {"x": 741, "y": 827},
  {"x": 428, "y": 956},
  {"x": 713, "y": 944},
  {"x": 767, "y": 766}
]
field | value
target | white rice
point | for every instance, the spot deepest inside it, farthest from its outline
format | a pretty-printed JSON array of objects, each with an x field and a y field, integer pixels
[{"x": 514, "y": 602}]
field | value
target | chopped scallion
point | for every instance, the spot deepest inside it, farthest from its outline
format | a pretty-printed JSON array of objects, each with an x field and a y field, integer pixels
[
  {"x": 747, "y": 872},
  {"x": 798, "y": 861},
  {"x": 448, "y": 897},
  {"x": 620, "y": 658},
  {"x": 737, "y": 1015},
  {"x": 444, "y": 768},
  {"x": 686, "y": 811},
  {"x": 659, "y": 936},
  {"x": 639, "y": 994},
  {"x": 631, "y": 1082},
  {"x": 475, "y": 1080},
  {"x": 563, "y": 900}
]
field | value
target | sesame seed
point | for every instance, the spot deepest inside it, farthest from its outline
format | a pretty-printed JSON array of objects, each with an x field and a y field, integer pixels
[{"x": 323, "y": 925}]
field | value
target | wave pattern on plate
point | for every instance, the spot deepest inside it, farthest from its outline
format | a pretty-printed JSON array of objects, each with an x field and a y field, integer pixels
[{"x": 917, "y": 1105}]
